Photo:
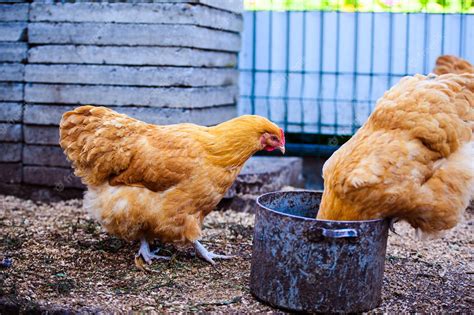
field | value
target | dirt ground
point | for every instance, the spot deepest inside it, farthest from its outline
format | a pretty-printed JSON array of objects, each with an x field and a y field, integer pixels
[{"x": 63, "y": 261}]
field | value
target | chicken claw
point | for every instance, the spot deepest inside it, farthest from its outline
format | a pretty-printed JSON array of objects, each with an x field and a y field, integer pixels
[
  {"x": 207, "y": 255},
  {"x": 148, "y": 255}
]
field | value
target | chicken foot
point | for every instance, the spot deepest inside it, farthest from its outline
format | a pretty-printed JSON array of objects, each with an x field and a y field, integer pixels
[
  {"x": 207, "y": 255},
  {"x": 147, "y": 254}
]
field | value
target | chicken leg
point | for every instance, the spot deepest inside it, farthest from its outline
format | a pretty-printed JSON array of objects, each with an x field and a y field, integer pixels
[
  {"x": 207, "y": 255},
  {"x": 148, "y": 255}
]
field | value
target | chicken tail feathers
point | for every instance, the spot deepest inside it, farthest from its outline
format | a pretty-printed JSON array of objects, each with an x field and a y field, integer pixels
[
  {"x": 452, "y": 64},
  {"x": 91, "y": 138}
]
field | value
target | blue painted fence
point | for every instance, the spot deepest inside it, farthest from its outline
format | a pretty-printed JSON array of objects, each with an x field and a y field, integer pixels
[{"x": 321, "y": 72}]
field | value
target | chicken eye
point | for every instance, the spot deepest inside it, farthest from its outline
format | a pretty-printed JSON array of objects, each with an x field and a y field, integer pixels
[{"x": 274, "y": 138}]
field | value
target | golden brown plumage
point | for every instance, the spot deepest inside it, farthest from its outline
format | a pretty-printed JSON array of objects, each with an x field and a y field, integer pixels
[
  {"x": 412, "y": 159},
  {"x": 158, "y": 182},
  {"x": 452, "y": 64}
]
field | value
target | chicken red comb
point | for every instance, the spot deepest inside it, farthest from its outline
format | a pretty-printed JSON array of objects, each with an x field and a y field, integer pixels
[{"x": 282, "y": 136}]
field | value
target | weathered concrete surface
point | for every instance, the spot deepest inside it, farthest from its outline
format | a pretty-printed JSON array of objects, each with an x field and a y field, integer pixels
[
  {"x": 11, "y": 152},
  {"x": 126, "y": 75},
  {"x": 126, "y": 95},
  {"x": 16, "y": 12},
  {"x": 261, "y": 175},
  {"x": 159, "y": 56},
  {"x": 13, "y": 52},
  {"x": 229, "y": 5},
  {"x": 56, "y": 177},
  {"x": 51, "y": 115},
  {"x": 10, "y": 173},
  {"x": 10, "y": 112},
  {"x": 39, "y": 193},
  {"x": 12, "y": 72},
  {"x": 12, "y": 31},
  {"x": 235, "y": 6},
  {"x": 121, "y": 55},
  {"x": 154, "y": 13},
  {"x": 44, "y": 114},
  {"x": 133, "y": 35},
  {"x": 11, "y": 91},
  {"x": 10, "y": 133},
  {"x": 41, "y": 134},
  {"x": 44, "y": 155}
]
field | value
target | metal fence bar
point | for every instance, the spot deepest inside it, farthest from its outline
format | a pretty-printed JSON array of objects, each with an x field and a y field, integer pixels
[
  {"x": 338, "y": 58},
  {"x": 425, "y": 42},
  {"x": 372, "y": 49},
  {"x": 356, "y": 69},
  {"x": 287, "y": 69},
  {"x": 254, "y": 59},
  {"x": 303, "y": 70},
  {"x": 270, "y": 60},
  {"x": 321, "y": 69},
  {"x": 461, "y": 31},
  {"x": 325, "y": 82}
]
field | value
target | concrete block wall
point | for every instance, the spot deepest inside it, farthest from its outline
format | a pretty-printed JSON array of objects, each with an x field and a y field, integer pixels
[
  {"x": 13, "y": 52},
  {"x": 162, "y": 62}
]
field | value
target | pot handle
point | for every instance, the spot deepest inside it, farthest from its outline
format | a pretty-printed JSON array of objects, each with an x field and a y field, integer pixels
[{"x": 340, "y": 233}]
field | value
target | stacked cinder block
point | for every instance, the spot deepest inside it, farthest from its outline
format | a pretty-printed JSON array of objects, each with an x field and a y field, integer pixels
[
  {"x": 13, "y": 49},
  {"x": 162, "y": 62}
]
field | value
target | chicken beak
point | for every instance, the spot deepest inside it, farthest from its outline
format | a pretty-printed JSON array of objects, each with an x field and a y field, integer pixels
[{"x": 282, "y": 149}]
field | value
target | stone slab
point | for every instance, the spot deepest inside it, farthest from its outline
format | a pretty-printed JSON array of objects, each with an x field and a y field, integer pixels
[
  {"x": 154, "y": 13},
  {"x": 13, "y": 72},
  {"x": 11, "y": 91},
  {"x": 10, "y": 132},
  {"x": 142, "y": 56},
  {"x": 235, "y": 6},
  {"x": 13, "y": 12},
  {"x": 44, "y": 194},
  {"x": 10, "y": 112},
  {"x": 12, "y": 31},
  {"x": 127, "y": 96},
  {"x": 127, "y": 75},
  {"x": 261, "y": 175},
  {"x": 44, "y": 155},
  {"x": 10, "y": 152},
  {"x": 48, "y": 135},
  {"x": 133, "y": 35},
  {"x": 56, "y": 177},
  {"x": 10, "y": 173},
  {"x": 13, "y": 52},
  {"x": 51, "y": 114}
]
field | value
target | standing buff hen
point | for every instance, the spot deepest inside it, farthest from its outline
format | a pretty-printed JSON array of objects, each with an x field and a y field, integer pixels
[
  {"x": 413, "y": 158},
  {"x": 148, "y": 182}
]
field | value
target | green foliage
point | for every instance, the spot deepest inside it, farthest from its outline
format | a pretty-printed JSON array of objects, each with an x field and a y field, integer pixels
[{"x": 428, "y": 6}]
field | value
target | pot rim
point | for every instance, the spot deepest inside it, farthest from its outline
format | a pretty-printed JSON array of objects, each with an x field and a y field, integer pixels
[{"x": 305, "y": 218}]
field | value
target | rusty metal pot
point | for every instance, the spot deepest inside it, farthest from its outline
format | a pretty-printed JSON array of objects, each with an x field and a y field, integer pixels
[{"x": 303, "y": 264}]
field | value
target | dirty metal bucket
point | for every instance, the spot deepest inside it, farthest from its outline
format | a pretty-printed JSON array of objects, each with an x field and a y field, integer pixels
[{"x": 303, "y": 264}]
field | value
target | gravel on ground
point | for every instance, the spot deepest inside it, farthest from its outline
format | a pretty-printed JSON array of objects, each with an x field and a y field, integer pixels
[{"x": 53, "y": 257}]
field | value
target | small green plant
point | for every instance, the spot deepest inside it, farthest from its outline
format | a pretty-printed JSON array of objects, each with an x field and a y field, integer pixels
[{"x": 428, "y": 6}]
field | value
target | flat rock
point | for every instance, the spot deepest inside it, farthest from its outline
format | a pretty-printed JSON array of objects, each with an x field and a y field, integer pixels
[
  {"x": 10, "y": 112},
  {"x": 12, "y": 31},
  {"x": 15, "y": 12},
  {"x": 51, "y": 115},
  {"x": 122, "y": 75},
  {"x": 153, "y": 13},
  {"x": 11, "y": 92},
  {"x": 261, "y": 175},
  {"x": 13, "y": 52},
  {"x": 12, "y": 72},
  {"x": 131, "y": 35},
  {"x": 175, "y": 97},
  {"x": 122, "y": 55}
]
